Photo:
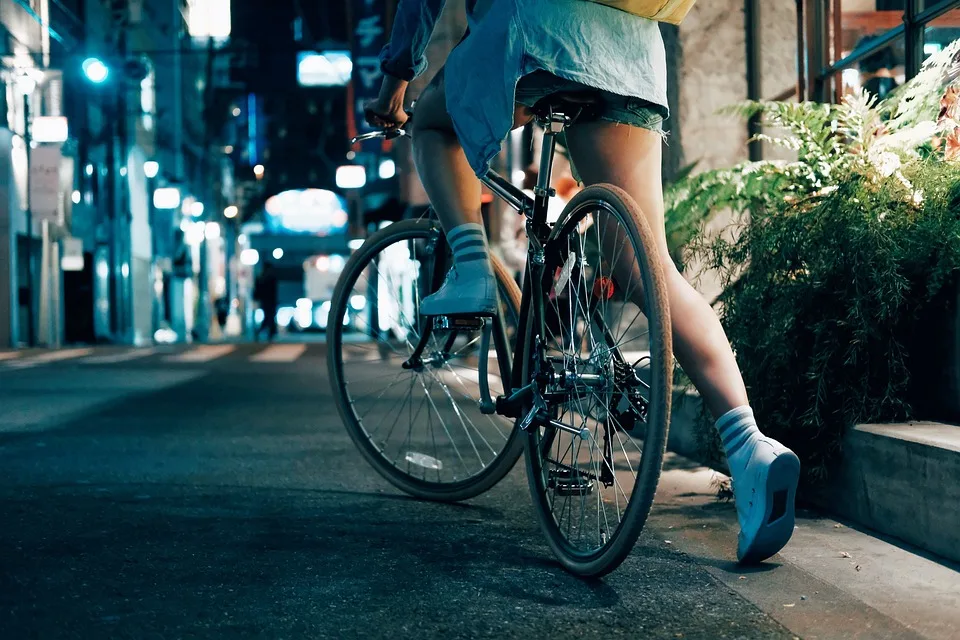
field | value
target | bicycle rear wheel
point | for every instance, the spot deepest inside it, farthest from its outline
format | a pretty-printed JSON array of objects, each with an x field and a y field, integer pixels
[
  {"x": 599, "y": 350},
  {"x": 420, "y": 428}
]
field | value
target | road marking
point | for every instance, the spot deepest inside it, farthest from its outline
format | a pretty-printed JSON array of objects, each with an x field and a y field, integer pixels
[
  {"x": 202, "y": 353},
  {"x": 280, "y": 353},
  {"x": 48, "y": 357},
  {"x": 124, "y": 356},
  {"x": 9, "y": 355}
]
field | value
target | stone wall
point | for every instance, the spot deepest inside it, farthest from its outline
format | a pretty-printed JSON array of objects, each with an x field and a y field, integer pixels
[{"x": 711, "y": 74}]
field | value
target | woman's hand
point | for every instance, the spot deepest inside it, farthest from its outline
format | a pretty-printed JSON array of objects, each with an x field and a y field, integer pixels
[{"x": 387, "y": 110}]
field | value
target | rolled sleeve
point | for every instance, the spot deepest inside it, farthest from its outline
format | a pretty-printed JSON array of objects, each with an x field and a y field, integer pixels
[{"x": 413, "y": 25}]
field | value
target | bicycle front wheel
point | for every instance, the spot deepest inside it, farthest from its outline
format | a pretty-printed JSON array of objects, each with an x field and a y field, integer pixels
[
  {"x": 420, "y": 428},
  {"x": 600, "y": 353}
]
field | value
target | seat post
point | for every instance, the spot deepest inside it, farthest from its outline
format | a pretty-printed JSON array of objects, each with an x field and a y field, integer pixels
[{"x": 551, "y": 127}]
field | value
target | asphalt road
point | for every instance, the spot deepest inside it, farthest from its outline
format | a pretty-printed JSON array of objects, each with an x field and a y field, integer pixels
[{"x": 160, "y": 495}]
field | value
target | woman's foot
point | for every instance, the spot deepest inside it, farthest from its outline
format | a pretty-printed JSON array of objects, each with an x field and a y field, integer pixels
[
  {"x": 765, "y": 475},
  {"x": 470, "y": 286}
]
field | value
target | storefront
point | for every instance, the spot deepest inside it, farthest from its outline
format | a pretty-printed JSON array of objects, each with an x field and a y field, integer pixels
[{"x": 872, "y": 44}]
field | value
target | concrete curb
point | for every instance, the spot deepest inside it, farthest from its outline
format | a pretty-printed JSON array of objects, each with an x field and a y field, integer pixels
[{"x": 900, "y": 480}]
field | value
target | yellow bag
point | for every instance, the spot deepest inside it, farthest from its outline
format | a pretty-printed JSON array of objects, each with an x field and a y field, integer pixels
[{"x": 672, "y": 11}]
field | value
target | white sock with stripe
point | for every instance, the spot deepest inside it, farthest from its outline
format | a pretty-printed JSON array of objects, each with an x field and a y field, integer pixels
[
  {"x": 469, "y": 245},
  {"x": 737, "y": 428}
]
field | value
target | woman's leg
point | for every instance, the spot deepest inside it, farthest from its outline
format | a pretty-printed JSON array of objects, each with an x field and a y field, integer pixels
[
  {"x": 765, "y": 473},
  {"x": 450, "y": 183},
  {"x": 629, "y": 157},
  {"x": 454, "y": 192}
]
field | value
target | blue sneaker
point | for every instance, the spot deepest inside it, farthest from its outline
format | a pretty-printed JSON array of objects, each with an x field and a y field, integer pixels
[
  {"x": 468, "y": 289},
  {"x": 765, "y": 491}
]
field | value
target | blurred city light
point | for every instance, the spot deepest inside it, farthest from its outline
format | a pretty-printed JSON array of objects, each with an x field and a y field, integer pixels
[
  {"x": 323, "y": 263},
  {"x": 49, "y": 129},
  {"x": 324, "y": 69},
  {"x": 194, "y": 233},
  {"x": 351, "y": 176},
  {"x": 236, "y": 113},
  {"x": 151, "y": 168},
  {"x": 355, "y": 244},
  {"x": 316, "y": 211},
  {"x": 242, "y": 238},
  {"x": 231, "y": 211},
  {"x": 95, "y": 70},
  {"x": 123, "y": 172},
  {"x": 165, "y": 336},
  {"x": 196, "y": 209},
  {"x": 88, "y": 170},
  {"x": 212, "y": 231},
  {"x": 26, "y": 81},
  {"x": 358, "y": 302},
  {"x": 388, "y": 169},
  {"x": 258, "y": 171},
  {"x": 75, "y": 197},
  {"x": 249, "y": 257},
  {"x": 277, "y": 253},
  {"x": 209, "y": 19},
  {"x": 166, "y": 198}
]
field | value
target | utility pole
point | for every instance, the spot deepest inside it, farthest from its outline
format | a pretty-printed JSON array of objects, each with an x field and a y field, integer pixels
[
  {"x": 202, "y": 322},
  {"x": 28, "y": 140}
]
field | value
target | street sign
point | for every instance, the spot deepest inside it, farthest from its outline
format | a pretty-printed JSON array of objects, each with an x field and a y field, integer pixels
[
  {"x": 369, "y": 34},
  {"x": 45, "y": 163}
]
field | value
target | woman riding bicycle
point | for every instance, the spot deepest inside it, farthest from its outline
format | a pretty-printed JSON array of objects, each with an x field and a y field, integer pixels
[{"x": 517, "y": 52}]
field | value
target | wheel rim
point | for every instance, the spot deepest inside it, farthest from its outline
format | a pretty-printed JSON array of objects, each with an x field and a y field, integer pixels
[
  {"x": 595, "y": 350},
  {"x": 424, "y": 423}
]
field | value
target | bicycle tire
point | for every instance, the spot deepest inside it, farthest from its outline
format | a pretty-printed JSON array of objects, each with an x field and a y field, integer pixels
[
  {"x": 616, "y": 549},
  {"x": 443, "y": 492}
]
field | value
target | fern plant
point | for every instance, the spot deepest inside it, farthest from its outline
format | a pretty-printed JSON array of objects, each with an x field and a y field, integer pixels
[{"x": 832, "y": 257}]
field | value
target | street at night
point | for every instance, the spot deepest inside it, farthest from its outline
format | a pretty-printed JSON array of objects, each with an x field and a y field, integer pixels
[
  {"x": 433, "y": 319},
  {"x": 212, "y": 491}
]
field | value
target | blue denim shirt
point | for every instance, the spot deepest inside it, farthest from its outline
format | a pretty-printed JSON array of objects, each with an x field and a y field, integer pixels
[{"x": 586, "y": 42}]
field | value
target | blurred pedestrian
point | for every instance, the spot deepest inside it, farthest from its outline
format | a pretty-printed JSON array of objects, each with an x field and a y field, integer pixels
[{"x": 265, "y": 293}]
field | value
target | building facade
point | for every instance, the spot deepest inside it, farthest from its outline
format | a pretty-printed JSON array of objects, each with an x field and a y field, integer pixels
[{"x": 129, "y": 81}]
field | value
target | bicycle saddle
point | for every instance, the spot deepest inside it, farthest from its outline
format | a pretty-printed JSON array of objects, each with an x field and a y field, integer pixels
[{"x": 569, "y": 103}]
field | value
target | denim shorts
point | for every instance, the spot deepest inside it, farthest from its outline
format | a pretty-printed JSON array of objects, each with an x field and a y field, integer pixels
[{"x": 635, "y": 112}]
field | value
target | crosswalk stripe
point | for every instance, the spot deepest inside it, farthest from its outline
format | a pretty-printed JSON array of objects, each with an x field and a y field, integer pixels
[
  {"x": 202, "y": 353},
  {"x": 124, "y": 356},
  {"x": 280, "y": 353},
  {"x": 9, "y": 355},
  {"x": 48, "y": 357}
]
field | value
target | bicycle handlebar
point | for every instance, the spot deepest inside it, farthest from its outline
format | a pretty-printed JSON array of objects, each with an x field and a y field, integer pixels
[{"x": 386, "y": 134}]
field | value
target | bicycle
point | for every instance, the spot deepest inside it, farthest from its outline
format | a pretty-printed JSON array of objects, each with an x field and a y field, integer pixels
[{"x": 579, "y": 382}]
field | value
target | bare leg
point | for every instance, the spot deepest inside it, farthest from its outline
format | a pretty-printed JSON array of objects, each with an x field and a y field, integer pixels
[
  {"x": 629, "y": 157},
  {"x": 447, "y": 177}
]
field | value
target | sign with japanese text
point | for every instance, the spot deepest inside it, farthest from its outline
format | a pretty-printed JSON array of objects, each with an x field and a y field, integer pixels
[{"x": 369, "y": 35}]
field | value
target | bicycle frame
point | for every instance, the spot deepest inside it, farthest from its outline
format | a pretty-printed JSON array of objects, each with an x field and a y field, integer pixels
[
  {"x": 535, "y": 210},
  {"x": 538, "y": 232}
]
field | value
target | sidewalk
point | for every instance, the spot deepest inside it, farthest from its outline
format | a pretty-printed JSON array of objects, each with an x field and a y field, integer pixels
[{"x": 832, "y": 581}]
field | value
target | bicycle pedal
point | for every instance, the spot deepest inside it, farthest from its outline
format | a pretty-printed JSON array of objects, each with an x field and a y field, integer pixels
[
  {"x": 457, "y": 323},
  {"x": 565, "y": 482}
]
